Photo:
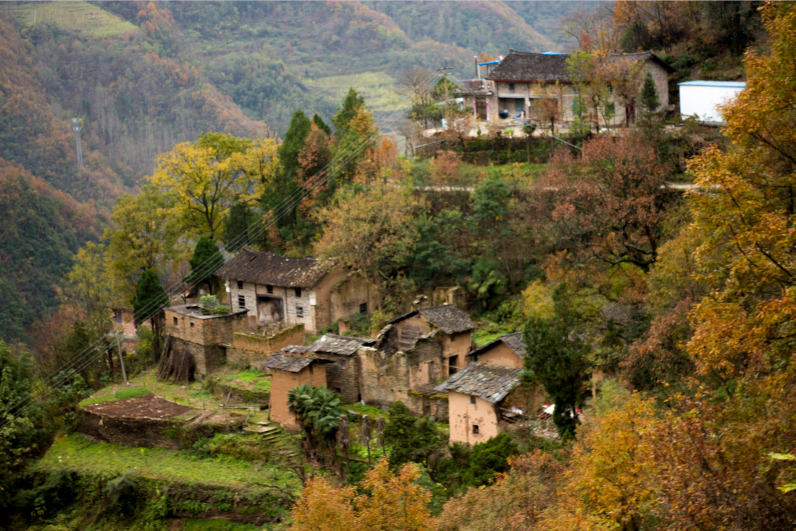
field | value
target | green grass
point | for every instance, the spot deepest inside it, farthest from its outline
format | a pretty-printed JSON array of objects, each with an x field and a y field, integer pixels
[
  {"x": 74, "y": 452},
  {"x": 489, "y": 332},
  {"x": 123, "y": 394},
  {"x": 193, "y": 524},
  {"x": 259, "y": 380},
  {"x": 370, "y": 411},
  {"x": 88, "y": 19}
]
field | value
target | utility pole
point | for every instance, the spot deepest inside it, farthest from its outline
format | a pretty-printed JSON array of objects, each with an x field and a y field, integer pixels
[
  {"x": 118, "y": 341},
  {"x": 77, "y": 126}
]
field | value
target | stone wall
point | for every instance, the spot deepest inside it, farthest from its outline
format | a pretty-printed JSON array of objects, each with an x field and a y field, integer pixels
[
  {"x": 205, "y": 329},
  {"x": 207, "y": 357},
  {"x": 386, "y": 378},
  {"x": 348, "y": 296},
  {"x": 342, "y": 375},
  {"x": 251, "y": 349}
]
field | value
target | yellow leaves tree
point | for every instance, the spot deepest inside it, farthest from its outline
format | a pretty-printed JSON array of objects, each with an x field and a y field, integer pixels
[
  {"x": 392, "y": 502},
  {"x": 370, "y": 230},
  {"x": 207, "y": 176},
  {"x": 747, "y": 217}
]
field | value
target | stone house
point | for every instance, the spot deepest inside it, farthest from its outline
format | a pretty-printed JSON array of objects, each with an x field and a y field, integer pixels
[
  {"x": 454, "y": 329},
  {"x": 388, "y": 375},
  {"x": 342, "y": 374},
  {"x": 278, "y": 291},
  {"x": 522, "y": 81},
  {"x": 288, "y": 372},
  {"x": 475, "y": 398},
  {"x": 205, "y": 337}
]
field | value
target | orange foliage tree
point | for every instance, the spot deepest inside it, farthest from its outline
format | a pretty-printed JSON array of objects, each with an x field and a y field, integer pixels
[{"x": 391, "y": 502}]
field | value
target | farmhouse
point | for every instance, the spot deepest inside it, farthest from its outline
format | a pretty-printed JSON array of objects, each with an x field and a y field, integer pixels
[
  {"x": 278, "y": 291},
  {"x": 343, "y": 373},
  {"x": 475, "y": 396},
  {"x": 453, "y": 325},
  {"x": 534, "y": 85},
  {"x": 288, "y": 372}
]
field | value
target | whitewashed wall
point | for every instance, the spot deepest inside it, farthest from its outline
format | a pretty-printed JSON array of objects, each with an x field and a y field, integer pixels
[{"x": 702, "y": 101}]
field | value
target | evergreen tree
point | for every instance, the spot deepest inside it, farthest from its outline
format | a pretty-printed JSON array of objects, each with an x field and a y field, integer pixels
[
  {"x": 236, "y": 230},
  {"x": 649, "y": 94},
  {"x": 317, "y": 120},
  {"x": 488, "y": 459},
  {"x": 285, "y": 182},
  {"x": 411, "y": 439},
  {"x": 148, "y": 302},
  {"x": 204, "y": 262},
  {"x": 556, "y": 359},
  {"x": 353, "y": 102}
]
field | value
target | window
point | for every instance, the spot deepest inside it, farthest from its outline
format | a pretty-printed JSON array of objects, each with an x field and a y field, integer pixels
[
  {"x": 192, "y": 324},
  {"x": 476, "y": 429},
  {"x": 472, "y": 399},
  {"x": 519, "y": 106},
  {"x": 298, "y": 292},
  {"x": 176, "y": 321},
  {"x": 575, "y": 89},
  {"x": 544, "y": 86},
  {"x": 117, "y": 317},
  {"x": 610, "y": 109},
  {"x": 338, "y": 390},
  {"x": 578, "y": 106},
  {"x": 269, "y": 289},
  {"x": 610, "y": 89},
  {"x": 299, "y": 311},
  {"x": 241, "y": 301},
  {"x": 240, "y": 284},
  {"x": 512, "y": 87},
  {"x": 363, "y": 308},
  {"x": 453, "y": 363}
]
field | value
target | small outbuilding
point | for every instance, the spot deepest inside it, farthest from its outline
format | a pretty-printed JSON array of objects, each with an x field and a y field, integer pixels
[
  {"x": 288, "y": 372},
  {"x": 455, "y": 329},
  {"x": 702, "y": 98},
  {"x": 508, "y": 351},
  {"x": 343, "y": 372},
  {"x": 475, "y": 396}
]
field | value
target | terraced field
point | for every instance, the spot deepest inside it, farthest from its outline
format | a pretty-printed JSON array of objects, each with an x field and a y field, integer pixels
[{"x": 88, "y": 19}]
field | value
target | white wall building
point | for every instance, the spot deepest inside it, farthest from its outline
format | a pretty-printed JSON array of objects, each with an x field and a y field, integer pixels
[{"x": 701, "y": 98}]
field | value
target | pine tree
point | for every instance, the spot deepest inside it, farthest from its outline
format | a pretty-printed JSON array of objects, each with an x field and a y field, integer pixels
[
  {"x": 649, "y": 94},
  {"x": 204, "y": 262},
  {"x": 148, "y": 302},
  {"x": 353, "y": 102},
  {"x": 317, "y": 120}
]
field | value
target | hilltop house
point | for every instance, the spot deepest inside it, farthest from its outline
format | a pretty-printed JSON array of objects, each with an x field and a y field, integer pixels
[
  {"x": 475, "y": 398},
  {"x": 278, "y": 292},
  {"x": 522, "y": 81},
  {"x": 288, "y": 372},
  {"x": 454, "y": 329}
]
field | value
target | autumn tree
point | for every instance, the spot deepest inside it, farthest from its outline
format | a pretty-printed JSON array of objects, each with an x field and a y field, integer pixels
[
  {"x": 389, "y": 502},
  {"x": 206, "y": 177},
  {"x": 587, "y": 74},
  {"x": 370, "y": 231},
  {"x": 608, "y": 205},
  {"x": 146, "y": 236}
]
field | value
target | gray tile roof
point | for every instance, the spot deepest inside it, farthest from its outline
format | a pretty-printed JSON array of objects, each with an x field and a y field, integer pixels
[
  {"x": 296, "y": 349},
  {"x": 447, "y": 318},
  {"x": 490, "y": 382},
  {"x": 514, "y": 341},
  {"x": 342, "y": 345},
  {"x": 275, "y": 270},
  {"x": 285, "y": 362},
  {"x": 523, "y": 66}
]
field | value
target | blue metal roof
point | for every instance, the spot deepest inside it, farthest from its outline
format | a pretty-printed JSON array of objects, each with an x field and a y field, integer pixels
[
  {"x": 724, "y": 84},
  {"x": 489, "y": 63},
  {"x": 553, "y": 53}
]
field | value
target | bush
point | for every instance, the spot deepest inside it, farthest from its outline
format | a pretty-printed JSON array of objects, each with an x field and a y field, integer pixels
[{"x": 489, "y": 458}]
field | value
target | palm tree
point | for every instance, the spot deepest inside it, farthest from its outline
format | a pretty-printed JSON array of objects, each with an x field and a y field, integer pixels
[{"x": 318, "y": 412}]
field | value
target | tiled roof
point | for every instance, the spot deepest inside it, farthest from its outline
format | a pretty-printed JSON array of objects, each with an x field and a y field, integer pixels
[
  {"x": 447, "y": 318},
  {"x": 522, "y": 66},
  {"x": 274, "y": 270},
  {"x": 284, "y": 362},
  {"x": 296, "y": 349},
  {"x": 342, "y": 345},
  {"x": 514, "y": 341},
  {"x": 490, "y": 382}
]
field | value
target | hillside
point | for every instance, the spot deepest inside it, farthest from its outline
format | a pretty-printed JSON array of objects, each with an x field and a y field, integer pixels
[{"x": 40, "y": 230}]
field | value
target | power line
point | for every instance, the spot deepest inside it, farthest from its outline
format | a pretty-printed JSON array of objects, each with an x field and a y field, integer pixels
[{"x": 85, "y": 358}]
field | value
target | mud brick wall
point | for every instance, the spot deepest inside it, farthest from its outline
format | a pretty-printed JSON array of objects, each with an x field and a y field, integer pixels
[
  {"x": 428, "y": 405},
  {"x": 251, "y": 349},
  {"x": 145, "y": 433},
  {"x": 342, "y": 376},
  {"x": 207, "y": 357}
]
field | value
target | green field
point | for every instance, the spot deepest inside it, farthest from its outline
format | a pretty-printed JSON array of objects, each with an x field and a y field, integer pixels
[
  {"x": 377, "y": 87},
  {"x": 88, "y": 19},
  {"x": 75, "y": 452}
]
